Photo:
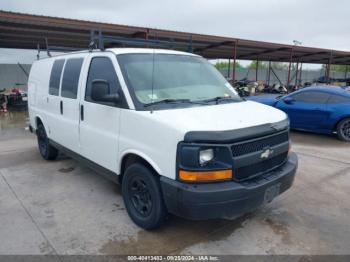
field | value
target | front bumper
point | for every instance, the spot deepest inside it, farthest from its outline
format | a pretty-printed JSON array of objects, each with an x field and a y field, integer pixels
[{"x": 225, "y": 199}]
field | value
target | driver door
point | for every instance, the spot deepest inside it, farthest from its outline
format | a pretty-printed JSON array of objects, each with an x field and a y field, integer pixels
[
  {"x": 306, "y": 110},
  {"x": 99, "y": 121}
]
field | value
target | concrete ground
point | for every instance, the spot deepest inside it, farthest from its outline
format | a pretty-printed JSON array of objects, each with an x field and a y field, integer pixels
[{"x": 62, "y": 207}]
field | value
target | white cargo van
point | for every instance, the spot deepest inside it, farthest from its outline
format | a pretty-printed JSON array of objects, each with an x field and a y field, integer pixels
[{"x": 166, "y": 126}]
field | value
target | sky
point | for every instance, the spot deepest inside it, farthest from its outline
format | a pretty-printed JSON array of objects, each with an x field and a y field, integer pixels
[{"x": 316, "y": 23}]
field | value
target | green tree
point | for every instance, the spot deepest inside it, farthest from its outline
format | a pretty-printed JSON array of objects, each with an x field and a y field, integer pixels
[
  {"x": 338, "y": 68},
  {"x": 274, "y": 65},
  {"x": 262, "y": 65},
  {"x": 280, "y": 66},
  {"x": 224, "y": 65}
]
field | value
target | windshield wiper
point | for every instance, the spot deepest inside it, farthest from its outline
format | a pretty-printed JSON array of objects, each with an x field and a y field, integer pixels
[
  {"x": 171, "y": 101},
  {"x": 218, "y": 99}
]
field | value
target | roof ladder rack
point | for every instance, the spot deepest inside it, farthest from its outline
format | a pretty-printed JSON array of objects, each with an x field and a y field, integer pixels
[{"x": 96, "y": 40}]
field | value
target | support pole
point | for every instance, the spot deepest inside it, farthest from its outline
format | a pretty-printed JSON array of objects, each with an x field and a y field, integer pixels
[
  {"x": 101, "y": 44},
  {"x": 328, "y": 73},
  {"x": 290, "y": 65},
  {"x": 228, "y": 68},
  {"x": 146, "y": 37},
  {"x": 300, "y": 73},
  {"x": 234, "y": 62},
  {"x": 329, "y": 67},
  {"x": 346, "y": 72},
  {"x": 190, "y": 46},
  {"x": 269, "y": 74},
  {"x": 296, "y": 74},
  {"x": 257, "y": 68}
]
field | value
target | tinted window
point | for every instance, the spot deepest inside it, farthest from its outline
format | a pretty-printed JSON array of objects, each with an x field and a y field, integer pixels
[
  {"x": 70, "y": 79},
  {"x": 335, "y": 99},
  {"x": 55, "y": 77},
  {"x": 102, "y": 68},
  {"x": 311, "y": 97}
]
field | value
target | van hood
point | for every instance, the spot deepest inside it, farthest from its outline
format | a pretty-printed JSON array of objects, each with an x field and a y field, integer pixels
[{"x": 222, "y": 117}]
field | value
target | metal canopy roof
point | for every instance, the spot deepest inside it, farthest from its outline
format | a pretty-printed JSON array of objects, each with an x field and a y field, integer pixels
[{"x": 27, "y": 31}]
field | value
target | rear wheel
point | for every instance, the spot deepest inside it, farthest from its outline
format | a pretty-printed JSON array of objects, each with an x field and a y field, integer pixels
[
  {"x": 343, "y": 130},
  {"x": 47, "y": 151},
  {"x": 143, "y": 197}
]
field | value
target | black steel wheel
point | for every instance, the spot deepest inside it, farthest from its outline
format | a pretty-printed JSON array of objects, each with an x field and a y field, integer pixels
[
  {"x": 343, "y": 130},
  {"x": 140, "y": 196},
  {"x": 47, "y": 151},
  {"x": 143, "y": 197}
]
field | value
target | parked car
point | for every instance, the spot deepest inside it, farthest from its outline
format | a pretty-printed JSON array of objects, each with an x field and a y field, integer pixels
[
  {"x": 320, "y": 109},
  {"x": 165, "y": 125}
]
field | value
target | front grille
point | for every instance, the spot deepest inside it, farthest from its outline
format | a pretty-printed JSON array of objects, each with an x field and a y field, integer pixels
[
  {"x": 258, "y": 144},
  {"x": 260, "y": 167}
]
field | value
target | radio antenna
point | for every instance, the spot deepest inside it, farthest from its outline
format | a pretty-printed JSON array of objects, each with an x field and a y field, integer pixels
[{"x": 152, "y": 92}]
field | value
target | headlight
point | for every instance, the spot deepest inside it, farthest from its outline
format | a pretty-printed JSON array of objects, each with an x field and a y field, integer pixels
[
  {"x": 205, "y": 156},
  {"x": 204, "y": 163}
]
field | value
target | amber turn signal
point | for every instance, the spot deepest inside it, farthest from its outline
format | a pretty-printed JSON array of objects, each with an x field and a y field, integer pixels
[{"x": 204, "y": 176}]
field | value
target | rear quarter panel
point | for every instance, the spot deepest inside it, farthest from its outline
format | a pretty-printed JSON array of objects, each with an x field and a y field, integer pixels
[
  {"x": 337, "y": 113},
  {"x": 38, "y": 84}
]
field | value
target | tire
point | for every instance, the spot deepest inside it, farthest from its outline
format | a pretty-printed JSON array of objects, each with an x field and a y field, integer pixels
[
  {"x": 343, "y": 130},
  {"x": 143, "y": 197},
  {"x": 47, "y": 151}
]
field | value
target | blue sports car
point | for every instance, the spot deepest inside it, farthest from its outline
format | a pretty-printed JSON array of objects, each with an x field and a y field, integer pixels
[{"x": 320, "y": 109}]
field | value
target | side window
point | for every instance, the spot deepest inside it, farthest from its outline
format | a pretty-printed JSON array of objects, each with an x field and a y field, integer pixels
[
  {"x": 70, "y": 78},
  {"x": 55, "y": 77},
  {"x": 336, "y": 99},
  {"x": 311, "y": 97},
  {"x": 102, "y": 68}
]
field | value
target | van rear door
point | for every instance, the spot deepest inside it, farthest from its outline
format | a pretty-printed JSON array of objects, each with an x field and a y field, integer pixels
[{"x": 53, "y": 101}]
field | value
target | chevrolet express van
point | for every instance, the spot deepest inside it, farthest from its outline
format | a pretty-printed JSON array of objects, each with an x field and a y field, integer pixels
[{"x": 167, "y": 126}]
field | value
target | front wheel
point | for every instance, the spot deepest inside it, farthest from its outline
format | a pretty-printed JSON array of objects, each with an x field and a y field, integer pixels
[
  {"x": 343, "y": 130},
  {"x": 47, "y": 151},
  {"x": 143, "y": 197}
]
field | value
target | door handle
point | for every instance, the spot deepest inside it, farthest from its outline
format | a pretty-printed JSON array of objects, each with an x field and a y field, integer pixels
[
  {"x": 61, "y": 107},
  {"x": 82, "y": 112}
]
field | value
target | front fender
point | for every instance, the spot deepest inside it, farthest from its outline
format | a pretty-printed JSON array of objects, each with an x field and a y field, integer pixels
[{"x": 140, "y": 154}]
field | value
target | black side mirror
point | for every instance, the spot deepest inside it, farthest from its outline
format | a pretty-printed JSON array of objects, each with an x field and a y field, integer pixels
[
  {"x": 100, "y": 92},
  {"x": 288, "y": 100}
]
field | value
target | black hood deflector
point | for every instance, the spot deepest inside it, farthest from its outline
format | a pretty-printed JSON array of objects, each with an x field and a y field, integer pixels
[{"x": 236, "y": 135}]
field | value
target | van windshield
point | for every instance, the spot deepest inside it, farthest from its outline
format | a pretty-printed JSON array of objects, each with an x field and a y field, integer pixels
[{"x": 165, "y": 79}]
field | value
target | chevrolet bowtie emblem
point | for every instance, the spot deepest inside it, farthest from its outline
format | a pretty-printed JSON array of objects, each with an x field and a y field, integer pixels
[{"x": 266, "y": 154}]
